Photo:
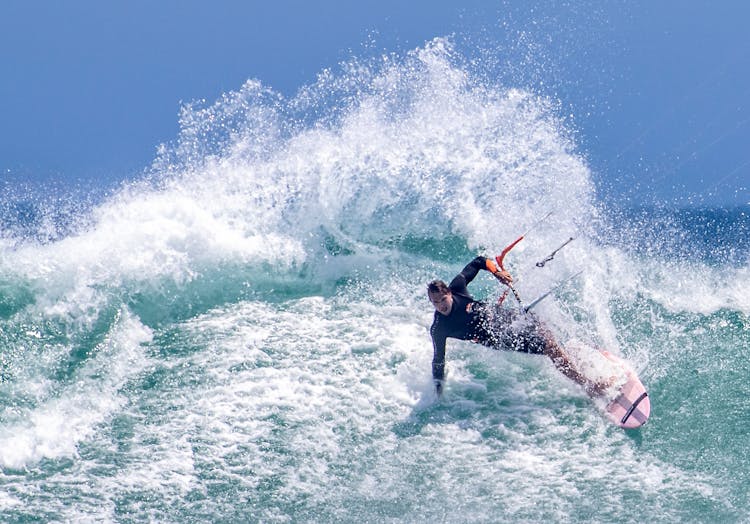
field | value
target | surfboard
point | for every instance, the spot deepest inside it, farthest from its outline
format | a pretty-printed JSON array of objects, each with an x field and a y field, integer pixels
[{"x": 631, "y": 406}]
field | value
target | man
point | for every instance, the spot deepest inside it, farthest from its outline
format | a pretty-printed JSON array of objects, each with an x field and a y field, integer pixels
[{"x": 458, "y": 315}]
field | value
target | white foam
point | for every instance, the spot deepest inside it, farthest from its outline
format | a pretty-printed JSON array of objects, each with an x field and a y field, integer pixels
[
  {"x": 8, "y": 501},
  {"x": 283, "y": 398}
]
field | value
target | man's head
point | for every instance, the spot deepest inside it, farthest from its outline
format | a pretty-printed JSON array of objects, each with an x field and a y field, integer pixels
[{"x": 440, "y": 296}]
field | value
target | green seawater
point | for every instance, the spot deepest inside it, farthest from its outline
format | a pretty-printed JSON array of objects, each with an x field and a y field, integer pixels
[{"x": 289, "y": 406}]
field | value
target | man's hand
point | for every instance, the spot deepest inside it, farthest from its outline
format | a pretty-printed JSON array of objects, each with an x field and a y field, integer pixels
[
  {"x": 500, "y": 274},
  {"x": 503, "y": 276}
]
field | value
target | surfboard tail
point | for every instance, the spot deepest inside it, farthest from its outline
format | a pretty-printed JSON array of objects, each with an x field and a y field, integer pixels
[{"x": 631, "y": 408}]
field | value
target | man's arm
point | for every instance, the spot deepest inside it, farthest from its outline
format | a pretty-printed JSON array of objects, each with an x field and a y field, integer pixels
[
  {"x": 461, "y": 281},
  {"x": 467, "y": 274},
  {"x": 438, "y": 357}
]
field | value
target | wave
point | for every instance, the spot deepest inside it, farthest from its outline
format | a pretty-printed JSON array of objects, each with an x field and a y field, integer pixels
[{"x": 423, "y": 151}]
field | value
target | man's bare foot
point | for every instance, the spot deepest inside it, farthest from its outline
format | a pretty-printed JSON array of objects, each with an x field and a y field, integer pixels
[{"x": 598, "y": 389}]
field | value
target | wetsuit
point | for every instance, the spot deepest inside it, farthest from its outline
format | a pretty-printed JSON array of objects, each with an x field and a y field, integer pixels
[{"x": 469, "y": 319}]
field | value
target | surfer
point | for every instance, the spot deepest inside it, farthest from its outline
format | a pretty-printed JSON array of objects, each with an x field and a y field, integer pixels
[{"x": 458, "y": 315}]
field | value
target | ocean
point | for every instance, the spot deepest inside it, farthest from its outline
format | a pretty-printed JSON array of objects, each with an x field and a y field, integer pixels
[{"x": 241, "y": 335}]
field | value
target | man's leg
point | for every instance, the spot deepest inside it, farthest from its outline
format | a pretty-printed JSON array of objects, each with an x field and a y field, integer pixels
[
  {"x": 563, "y": 363},
  {"x": 526, "y": 333}
]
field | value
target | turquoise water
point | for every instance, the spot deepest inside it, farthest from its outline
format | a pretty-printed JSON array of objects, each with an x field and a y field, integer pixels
[{"x": 243, "y": 335}]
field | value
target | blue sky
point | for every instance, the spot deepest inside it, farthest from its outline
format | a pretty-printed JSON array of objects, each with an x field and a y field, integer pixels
[{"x": 659, "y": 91}]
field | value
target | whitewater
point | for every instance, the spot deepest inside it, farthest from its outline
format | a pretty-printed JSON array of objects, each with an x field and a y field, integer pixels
[{"x": 241, "y": 335}]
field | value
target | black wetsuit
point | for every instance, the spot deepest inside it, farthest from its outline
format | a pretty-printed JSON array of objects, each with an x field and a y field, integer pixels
[{"x": 469, "y": 319}]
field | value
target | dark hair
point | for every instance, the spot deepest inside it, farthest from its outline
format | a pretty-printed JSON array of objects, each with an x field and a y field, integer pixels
[{"x": 439, "y": 287}]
